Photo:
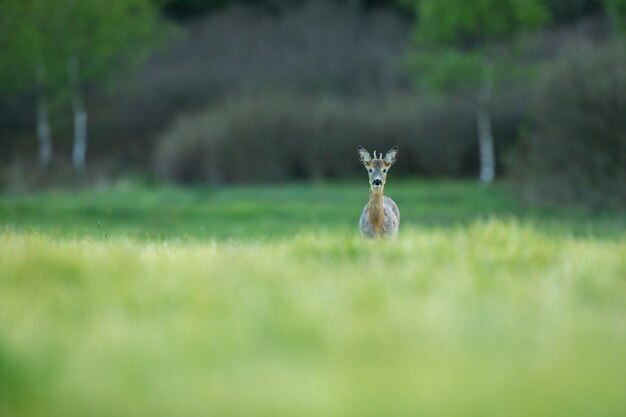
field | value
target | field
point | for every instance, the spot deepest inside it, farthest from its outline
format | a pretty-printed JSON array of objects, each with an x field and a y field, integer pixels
[{"x": 138, "y": 300}]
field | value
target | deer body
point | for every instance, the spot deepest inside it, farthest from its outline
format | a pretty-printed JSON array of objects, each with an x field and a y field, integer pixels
[{"x": 380, "y": 217}]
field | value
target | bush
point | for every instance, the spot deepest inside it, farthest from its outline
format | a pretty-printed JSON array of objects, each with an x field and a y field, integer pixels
[
  {"x": 319, "y": 47},
  {"x": 289, "y": 136},
  {"x": 577, "y": 150}
]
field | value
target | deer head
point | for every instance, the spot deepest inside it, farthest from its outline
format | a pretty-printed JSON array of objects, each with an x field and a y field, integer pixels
[{"x": 378, "y": 166}]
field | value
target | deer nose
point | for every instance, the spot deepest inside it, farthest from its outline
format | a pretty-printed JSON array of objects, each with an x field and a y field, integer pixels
[{"x": 377, "y": 182}]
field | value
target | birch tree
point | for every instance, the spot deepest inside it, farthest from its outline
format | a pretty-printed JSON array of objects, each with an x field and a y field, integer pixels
[
  {"x": 101, "y": 38},
  {"x": 457, "y": 47},
  {"x": 56, "y": 48},
  {"x": 31, "y": 61}
]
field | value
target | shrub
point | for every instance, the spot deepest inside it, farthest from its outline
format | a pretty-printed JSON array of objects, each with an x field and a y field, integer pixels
[
  {"x": 319, "y": 47},
  {"x": 577, "y": 150},
  {"x": 288, "y": 136}
]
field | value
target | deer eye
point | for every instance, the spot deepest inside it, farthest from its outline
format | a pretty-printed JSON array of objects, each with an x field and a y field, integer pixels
[
  {"x": 384, "y": 170},
  {"x": 370, "y": 170}
]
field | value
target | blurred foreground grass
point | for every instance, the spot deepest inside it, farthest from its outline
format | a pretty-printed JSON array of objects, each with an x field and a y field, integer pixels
[
  {"x": 494, "y": 319},
  {"x": 479, "y": 309}
]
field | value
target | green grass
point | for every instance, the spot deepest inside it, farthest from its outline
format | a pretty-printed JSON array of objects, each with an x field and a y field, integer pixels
[
  {"x": 265, "y": 302},
  {"x": 202, "y": 213}
]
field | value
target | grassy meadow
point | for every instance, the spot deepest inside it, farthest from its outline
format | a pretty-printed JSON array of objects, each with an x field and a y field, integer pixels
[{"x": 136, "y": 300}]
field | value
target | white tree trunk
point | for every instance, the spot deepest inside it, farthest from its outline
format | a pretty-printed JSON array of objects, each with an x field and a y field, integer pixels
[
  {"x": 43, "y": 132},
  {"x": 485, "y": 133},
  {"x": 79, "y": 148},
  {"x": 42, "y": 120}
]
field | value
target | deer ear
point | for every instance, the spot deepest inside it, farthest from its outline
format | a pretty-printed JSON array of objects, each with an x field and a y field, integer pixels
[
  {"x": 391, "y": 156},
  {"x": 364, "y": 155}
]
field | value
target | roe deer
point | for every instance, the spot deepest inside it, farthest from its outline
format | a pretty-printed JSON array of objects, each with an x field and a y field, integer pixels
[{"x": 381, "y": 216}]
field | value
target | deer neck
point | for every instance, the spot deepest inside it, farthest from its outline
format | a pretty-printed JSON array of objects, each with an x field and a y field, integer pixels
[{"x": 376, "y": 210}]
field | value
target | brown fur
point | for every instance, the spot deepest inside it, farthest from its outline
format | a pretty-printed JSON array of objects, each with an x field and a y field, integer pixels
[{"x": 376, "y": 212}]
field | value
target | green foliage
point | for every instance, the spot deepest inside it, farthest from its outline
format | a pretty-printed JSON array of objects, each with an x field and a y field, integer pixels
[
  {"x": 457, "y": 322},
  {"x": 43, "y": 35},
  {"x": 444, "y": 68},
  {"x": 106, "y": 36},
  {"x": 617, "y": 11},
  {"x": 30, "y": 45},
  {"x": 466, "y": 23},
  {"x": 458, "y": 42}
]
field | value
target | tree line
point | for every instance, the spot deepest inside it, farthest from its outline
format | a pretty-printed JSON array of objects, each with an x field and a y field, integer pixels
[{"x": 54, "y": 50}]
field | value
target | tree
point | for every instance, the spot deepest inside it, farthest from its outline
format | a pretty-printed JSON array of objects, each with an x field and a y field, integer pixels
[
  {"x": 60, "y": 46},
  {"x": 31, "y": 60},
  {"x": 99, "y": 38},
  {"x": 617, "y": 11},
  {"x": 457, "y": 46}
]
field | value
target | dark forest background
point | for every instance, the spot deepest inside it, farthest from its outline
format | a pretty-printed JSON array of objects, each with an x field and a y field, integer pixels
[{"x": 275, "y": 90}]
